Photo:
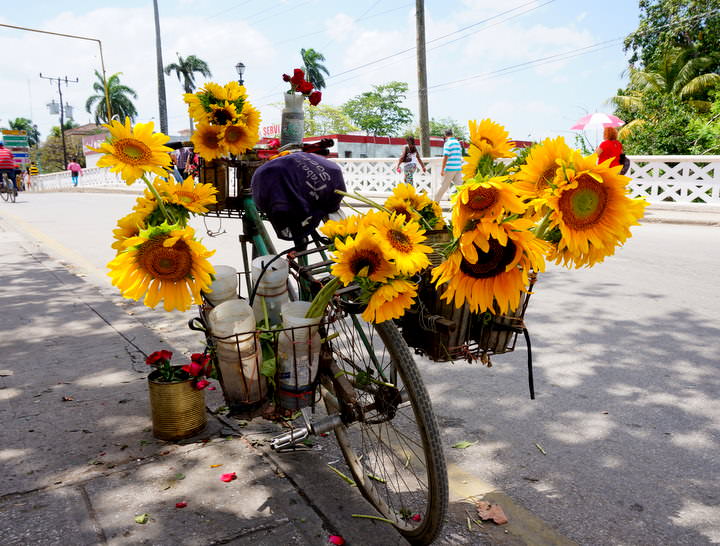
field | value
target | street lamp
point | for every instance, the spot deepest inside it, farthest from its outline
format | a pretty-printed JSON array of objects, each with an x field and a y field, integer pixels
[{"x": 240, "y": 67}]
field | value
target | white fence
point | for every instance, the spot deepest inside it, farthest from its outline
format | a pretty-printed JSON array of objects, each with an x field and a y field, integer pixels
[{"x": 660, "y": 179}]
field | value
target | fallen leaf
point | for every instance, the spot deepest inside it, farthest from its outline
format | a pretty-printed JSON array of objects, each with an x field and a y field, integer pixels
[
  {"x": 67, "y": 399},
  {"x": 463, "y": 445},
  {"x": 337, "y": 540},
  {"x": 142, "y": 518},
  {"x": 493, "y": 512},
  {"x": 230, "y": 476},
  {"x": 211, "y": 388},
  {"x": 215, "y": 465},
  {"x": 179, "y": 476},
  {"x": 180, "y": 504}
]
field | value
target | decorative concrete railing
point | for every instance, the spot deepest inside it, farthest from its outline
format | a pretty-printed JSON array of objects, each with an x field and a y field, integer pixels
[{"x": 660, "y": 178}]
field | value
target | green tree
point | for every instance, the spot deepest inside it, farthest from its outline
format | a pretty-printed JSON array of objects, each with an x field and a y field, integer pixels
[
  {"x": 665, "y": 127},
  {"x": 313, "y": 67},
  {"x": 185, "y": 70},
  {"x": 325, "y": 119},
  {"x": 69, "y": 124},
  {"x": 438, "y": 126},
  {"x": 379, "y": 112},
  {"x": 120, "y": 95},
  {"x": 24, "y": 124},
  {"x": 51, "y": 152},
  {"x": 666, "y": 24}
]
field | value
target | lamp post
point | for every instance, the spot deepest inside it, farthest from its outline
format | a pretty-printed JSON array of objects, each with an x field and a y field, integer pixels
[{"x": 240, "y": 67}]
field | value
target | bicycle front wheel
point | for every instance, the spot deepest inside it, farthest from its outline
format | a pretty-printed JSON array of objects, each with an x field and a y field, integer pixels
[
  {"x": 12, "y": 194},
  {"x": 4, "y": 192},
  {"x": 390, "y": 437}
]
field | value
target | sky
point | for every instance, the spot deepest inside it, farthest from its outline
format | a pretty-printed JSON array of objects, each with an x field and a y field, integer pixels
[{"x": 534, "y": 66}]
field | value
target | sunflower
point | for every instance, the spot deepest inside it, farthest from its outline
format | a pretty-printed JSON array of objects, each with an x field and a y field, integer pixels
[
  {"x": 401, "y": 208},
  {"x": 250, "y": 116},
  {"x": 238, "y": 138},
  {"x": 401, "y": 242},
  {"x": 407, "y": 193},
  {"x": 222, "y": 114},
  {"x": 535, "y": 178},
  {"x": 361, "y": 256},
  {"x": 163, "y": 263},
  {"x": 207, "y": 141},
  {"x": 133, "y": 151},
  {"x": 591, "y": 207},
  {"x": 128, "y": 226},
  {"x": 485, "y": 199},
  {"x": 495, "y": 279},
  {"x": 434, "y": 215},
  {"x": 487, "y": 138},
  {"x": 340, "y": 228},
  {"x": 232, "y": 91},
  {"x": 191, "y": 196},
  {"x": 390, "y": 301}
]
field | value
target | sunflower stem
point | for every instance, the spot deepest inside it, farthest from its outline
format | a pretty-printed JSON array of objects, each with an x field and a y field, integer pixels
[
  {"x": 542, "y": 227},
  {"x": 362, "y": 199},
  {"x": 169, "y": 217},
  {"x": 320, "y": 301}
]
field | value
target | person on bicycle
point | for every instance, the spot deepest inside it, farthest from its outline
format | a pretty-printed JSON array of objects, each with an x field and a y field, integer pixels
[{"x": 7, "y": 164}]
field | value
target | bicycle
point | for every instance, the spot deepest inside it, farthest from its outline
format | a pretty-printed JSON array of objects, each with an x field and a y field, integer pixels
[
  {"x": 374, "y": 397},
  {"x": 7, "y": 189}
]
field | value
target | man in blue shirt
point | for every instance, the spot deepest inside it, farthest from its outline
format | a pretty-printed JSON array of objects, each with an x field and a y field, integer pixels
[{"x": 451, "y": 170}]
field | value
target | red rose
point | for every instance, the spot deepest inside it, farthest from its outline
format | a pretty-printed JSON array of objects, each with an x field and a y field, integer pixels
[
  {"x": 315, "y": 98},
  {"x": 157, "y": 356},
  {"x": 201, "y": 384},
  {"x": 286, "y": 78},
  {"x": 193, "y": 369},
  {"x": 298, "y": 77},
  {"x": 305, "y": 87}
]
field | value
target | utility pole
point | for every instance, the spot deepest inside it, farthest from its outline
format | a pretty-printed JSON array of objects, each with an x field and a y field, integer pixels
[
  {"x": 62, "y": 111},
  {"x": 422, "y": 77},
  {"x": 162, "y": 101}
]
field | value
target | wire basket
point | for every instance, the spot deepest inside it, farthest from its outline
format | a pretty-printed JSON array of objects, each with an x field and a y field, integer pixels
[{"x": 231, "y": 178}]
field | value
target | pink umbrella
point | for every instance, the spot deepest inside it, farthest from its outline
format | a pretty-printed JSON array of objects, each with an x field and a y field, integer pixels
[{"x": 597, "y": 119}]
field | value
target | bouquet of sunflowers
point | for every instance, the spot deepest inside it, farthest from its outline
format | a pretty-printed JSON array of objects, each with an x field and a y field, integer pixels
[{"x": 158, "y": 256}]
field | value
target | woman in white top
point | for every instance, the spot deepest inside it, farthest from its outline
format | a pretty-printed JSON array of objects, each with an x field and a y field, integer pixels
[{"x": 409, "y": 159}]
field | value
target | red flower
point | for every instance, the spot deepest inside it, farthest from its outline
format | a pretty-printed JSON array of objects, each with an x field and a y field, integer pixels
[
  {"x": 286, "y": 78},
  {"x": 315, "y": 98},
  {"x": 337, "y": 540},
  {"x": 416, "y": 517},
  {"x": 230, "y": 476},
  {"x": 194, "y": 368},
  {"x": 201, "y": 384},
  {"x": 180, "y": 504},
  {"x": 298, "y": 77},
  {"x": 157, "y": 356},
  {"x": 305, "y": 87}
]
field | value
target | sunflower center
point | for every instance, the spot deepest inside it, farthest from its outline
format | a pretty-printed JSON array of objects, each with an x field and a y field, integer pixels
[
  {"x": 132, "y": 151},
  {"x": 210, "y": 140},
  {"x": 234, "y": 134},
  {"x": 402, "y": 211},
  {"x": 490, "y": 263},
  {"x": 165, "y": 263},
  {"x": 186, "y": 197},
  {"x": 221, "y": 116},
  {"x": 584, "y": 205},
  {"x": 366, "y": 258},
  {"x": 399, "y": 241},
  {"x": 482, "y": 199},
  {"x": 486, "y": 139},
  {"x": 546, "y": 177}
]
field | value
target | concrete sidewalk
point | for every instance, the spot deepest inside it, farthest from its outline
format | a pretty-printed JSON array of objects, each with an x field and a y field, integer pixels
[{"x": 78, "y": 459}]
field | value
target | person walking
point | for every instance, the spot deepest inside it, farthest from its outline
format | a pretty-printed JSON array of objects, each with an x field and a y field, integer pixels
[
  {"x": 610, "y": 147},
  {"x": 409, "y": 161},
  {"x": 75, "y": 171},
  {"x": 7, "y": 164},
  {"x": 451, "y": 170}
]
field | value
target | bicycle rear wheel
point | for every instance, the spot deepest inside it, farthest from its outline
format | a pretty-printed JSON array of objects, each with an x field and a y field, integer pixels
[
  {"x": 12, "y": 193},
  {"x": 390, "y": 438},
  {"x": 4, "y": 189}
]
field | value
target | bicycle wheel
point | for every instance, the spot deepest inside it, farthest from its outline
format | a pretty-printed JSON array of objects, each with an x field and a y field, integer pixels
[
  {"x": 391, "y": 440},
  {"x": 12, "y": 193},
  {"x": 4, "y": 193}
]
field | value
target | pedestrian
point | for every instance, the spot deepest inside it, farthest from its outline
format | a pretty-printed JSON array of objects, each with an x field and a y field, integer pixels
[
  {"x": 7, "y": 164},
  {"x": 451, "y": 170},
  {"x": 610, "y": 147},
  {"x": 409, "y": 161},
  {"x": 75, "y": 170}
]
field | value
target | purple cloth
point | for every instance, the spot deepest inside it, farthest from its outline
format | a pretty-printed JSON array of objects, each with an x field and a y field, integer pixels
[{"x": 296, "y": 191}]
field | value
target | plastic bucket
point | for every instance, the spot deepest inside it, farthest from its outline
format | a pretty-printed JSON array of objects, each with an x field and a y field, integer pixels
[
  {"x": 229, "y": 319},
  {"x": 271, "y": 288},
  {"x": 225, "y": 285}
]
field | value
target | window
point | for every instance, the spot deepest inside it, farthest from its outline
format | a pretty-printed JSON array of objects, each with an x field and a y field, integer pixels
[{"x": 348, "y": 153}]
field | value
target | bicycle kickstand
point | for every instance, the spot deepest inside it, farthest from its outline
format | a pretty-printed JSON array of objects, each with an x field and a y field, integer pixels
[{"x": 295, "y": 436}]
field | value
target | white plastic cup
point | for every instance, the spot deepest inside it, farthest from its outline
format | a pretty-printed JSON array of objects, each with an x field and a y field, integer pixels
[
  {"x": 225, "y": 285},
  {"x": 272, "y": 287}
]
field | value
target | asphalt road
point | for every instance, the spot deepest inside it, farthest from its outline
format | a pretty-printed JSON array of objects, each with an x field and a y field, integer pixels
[{"x": 620, "y": 445}]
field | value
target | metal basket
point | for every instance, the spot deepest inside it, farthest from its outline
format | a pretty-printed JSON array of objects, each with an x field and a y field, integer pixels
[{"x": 230, "y": 177}]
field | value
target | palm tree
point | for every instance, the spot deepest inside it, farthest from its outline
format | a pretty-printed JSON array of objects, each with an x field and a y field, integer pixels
[
  {"x": 24, "y": 124},
  {"x": 120, "y": 102},
  {"x": 313, "y": 67},
  {"x": 185, "y": 71}
]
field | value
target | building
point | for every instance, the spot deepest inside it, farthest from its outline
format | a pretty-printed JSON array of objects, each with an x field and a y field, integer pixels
[{"x": 359, "y": 146}]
